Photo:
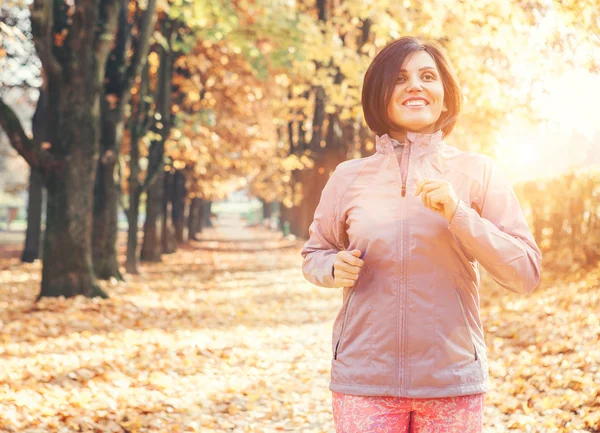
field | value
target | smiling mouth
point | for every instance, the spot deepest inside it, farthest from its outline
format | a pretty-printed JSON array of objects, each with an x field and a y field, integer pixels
[{"x": 415, "y": 103}]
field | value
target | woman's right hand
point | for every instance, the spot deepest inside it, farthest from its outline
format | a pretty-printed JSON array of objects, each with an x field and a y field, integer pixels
[{"x": 346, "y": 268}]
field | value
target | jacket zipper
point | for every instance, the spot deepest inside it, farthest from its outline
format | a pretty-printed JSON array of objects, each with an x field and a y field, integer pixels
[
  {"x": 464, "y": 316},
  {"x": 405, "y": 177},
  {"x": 403, "y": 284},
  {"x": 402, "y": 293},
  {"x": 344, "y": 324}
]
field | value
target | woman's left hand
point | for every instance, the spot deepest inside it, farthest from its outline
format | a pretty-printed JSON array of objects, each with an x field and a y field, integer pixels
[{"x": 439, "y": 196}]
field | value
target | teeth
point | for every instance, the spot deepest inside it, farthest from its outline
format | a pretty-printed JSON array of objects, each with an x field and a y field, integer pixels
[{"x": 415, "y": 103}]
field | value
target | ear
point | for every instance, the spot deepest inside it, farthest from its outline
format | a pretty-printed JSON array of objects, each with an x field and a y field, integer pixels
[{"x": 444, "y": 108}]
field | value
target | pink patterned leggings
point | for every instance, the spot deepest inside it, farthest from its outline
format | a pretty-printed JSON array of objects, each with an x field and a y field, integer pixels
[{"x": 383, "y": 414}]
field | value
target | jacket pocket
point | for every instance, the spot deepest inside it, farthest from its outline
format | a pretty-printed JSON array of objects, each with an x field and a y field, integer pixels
[
  {"x": 464, "y": 316},
  {"x": 339, "y": 342}
]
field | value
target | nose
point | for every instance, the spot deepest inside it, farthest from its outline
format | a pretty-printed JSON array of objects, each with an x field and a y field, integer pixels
[{"x": 414, "y": 85}]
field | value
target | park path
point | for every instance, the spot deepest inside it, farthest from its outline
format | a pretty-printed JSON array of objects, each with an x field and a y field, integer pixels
[{"x": 226, "y": 336}]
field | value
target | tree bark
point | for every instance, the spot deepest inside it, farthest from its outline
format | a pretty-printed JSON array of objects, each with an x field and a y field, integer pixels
[
  {"x": 267, "y": 209},
  {"x": 168, "y": 234},
  {"x": 119, "y": 80},
  {"x": 194, "y": 218},
  {"x": 152, "y": 246},
  {"x": 31, "y": 250},
  {"x": 132, "y": 232},
  {"x": 178, "y": 203},
  {"x": 201, "y": 215},
  {"x": 133, "y": 211},
  {"x": 139, "y": 123},
  {"x": 106, "y": 198},
  {"x": 207, "y": 213},
  {"x": 74, "y": 70}
]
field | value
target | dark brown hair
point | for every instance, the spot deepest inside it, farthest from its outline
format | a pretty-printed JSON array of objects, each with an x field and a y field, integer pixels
[{"x": 380, "y": 80}]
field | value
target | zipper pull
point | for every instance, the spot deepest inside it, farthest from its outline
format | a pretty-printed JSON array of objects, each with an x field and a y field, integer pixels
[{"x": 403, "y": 190}]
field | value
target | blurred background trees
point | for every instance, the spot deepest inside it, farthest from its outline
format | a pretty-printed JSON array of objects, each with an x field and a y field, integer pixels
[{"x": 157, "y": 108}]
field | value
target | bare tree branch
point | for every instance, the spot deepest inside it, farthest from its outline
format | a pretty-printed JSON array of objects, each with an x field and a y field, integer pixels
[
  {"x": 141, "y": 53},
  {"x": 36, "y": 157},
  {"x": 42, "y": 20},
  {"x": 109, "y": 13}
]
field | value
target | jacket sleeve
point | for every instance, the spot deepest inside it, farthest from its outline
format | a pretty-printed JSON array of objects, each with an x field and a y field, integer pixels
[
  {"x": 325, "y": 236},
  {"x": 500, "y": 238}
]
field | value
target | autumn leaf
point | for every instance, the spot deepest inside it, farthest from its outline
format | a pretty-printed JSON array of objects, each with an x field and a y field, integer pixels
[{"x": 216, "y": 336}]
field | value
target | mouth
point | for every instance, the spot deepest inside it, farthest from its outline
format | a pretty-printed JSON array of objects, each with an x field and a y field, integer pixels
[{"x": 415, "y": 102}]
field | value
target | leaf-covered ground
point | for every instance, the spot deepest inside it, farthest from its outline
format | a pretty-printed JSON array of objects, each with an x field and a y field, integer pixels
[{"x": 226, "y": 336}]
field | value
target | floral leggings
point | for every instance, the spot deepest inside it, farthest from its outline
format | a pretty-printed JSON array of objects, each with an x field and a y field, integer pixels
[{"x": 383, "y": 414}]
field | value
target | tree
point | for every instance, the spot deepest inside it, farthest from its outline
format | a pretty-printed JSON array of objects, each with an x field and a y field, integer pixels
[
  {"x": 123, "y": 68},
  {"x": 73, "y": 41},
  {"x": 154, "y": 230},
  {"x": 20, "y": 72}
]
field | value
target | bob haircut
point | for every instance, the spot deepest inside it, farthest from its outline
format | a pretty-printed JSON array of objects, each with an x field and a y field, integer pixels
[{"x": 380, "y": 80}]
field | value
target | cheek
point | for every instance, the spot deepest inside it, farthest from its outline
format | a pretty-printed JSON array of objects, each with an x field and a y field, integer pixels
[
  {"x": 438, "y": 94},
  {"x": 394, "y": 99}
]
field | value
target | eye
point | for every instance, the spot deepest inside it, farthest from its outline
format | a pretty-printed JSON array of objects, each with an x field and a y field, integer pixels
[
  {"x": 429, "y": 76},
  {"x": 400, "y": 80}
]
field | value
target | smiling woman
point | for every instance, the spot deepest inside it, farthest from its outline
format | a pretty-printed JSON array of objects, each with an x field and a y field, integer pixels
[{"x": 402, "y": 232}]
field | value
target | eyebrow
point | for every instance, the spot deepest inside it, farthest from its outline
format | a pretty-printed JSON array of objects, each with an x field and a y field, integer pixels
[{"x": 421, "y": 69}]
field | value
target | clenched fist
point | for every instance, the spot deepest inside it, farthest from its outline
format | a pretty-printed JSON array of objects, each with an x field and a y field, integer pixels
[
  {"x": 439, "y": 196},
  {"x": 346, "y": 268}
]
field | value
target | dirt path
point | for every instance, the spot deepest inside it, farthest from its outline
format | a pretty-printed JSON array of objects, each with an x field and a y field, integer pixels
[{"x": 227, "y": 336}]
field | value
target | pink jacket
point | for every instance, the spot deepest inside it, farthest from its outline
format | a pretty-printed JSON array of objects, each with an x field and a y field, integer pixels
[{"x": 410, "y": 325}]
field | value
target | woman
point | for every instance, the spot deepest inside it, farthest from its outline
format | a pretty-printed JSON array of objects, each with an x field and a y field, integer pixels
[{"x": 402, "y": 231}]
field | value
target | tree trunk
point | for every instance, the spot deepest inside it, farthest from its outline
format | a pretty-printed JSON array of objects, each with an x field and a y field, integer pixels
[
  {"x": 75, "y": 83},
  {"x": 139, "y": 123},
  {"x": 200, "y": 217},
  {"x": 106, "y": 197},
  {"x": 178, "y": 203},
  {"x": 194, "y": 221},
  {"x": 119, "y": 79},
  {"x": 286, "y": 216},
  {"x": 309, "y": 179},
  {"x": 31, "y": 251},
  {"x": 132, "y": 232},
  {"x": 168, "y": 234},
  {"x": 152, "y": 246},
  {"x": 207, "y": 213},
  {"x": 67, "y": 268},
  {"x": 302, "y": 215},
  {"x": 267, "y": 209},
  {"x": 134, "y": 192}
]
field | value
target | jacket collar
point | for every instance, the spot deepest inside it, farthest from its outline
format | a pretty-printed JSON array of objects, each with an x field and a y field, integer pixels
[{"x": 421, "y": 144}]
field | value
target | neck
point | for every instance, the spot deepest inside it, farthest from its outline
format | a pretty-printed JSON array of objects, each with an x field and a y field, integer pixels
[
  {"x": 400, "y": 136},
  {"x": 400, "y": 133}
]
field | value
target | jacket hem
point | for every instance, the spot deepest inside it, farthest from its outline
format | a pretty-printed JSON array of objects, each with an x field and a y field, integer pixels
[{"x": 392, "y": 391}]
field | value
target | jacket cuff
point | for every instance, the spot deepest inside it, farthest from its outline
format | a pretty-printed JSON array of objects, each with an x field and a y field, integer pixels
[
  {"x": 328, "y": 280},
  {"x": 319, "y": 271},
  {"x": 459, "y": 216}
]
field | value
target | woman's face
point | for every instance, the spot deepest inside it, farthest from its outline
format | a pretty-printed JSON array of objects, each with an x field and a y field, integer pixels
[{"x": 418, "y": 98}]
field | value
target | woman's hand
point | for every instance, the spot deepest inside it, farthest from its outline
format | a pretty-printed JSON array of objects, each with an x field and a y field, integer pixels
[
  {"x": 346, "y": 268},
  {"x": 439, "y": 196}
]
